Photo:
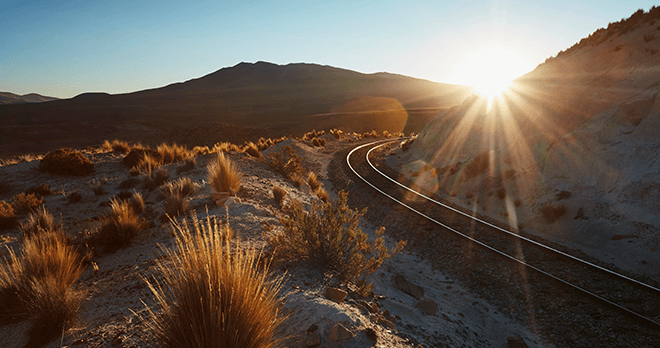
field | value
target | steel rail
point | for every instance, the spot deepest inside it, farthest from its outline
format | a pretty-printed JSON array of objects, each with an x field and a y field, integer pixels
[{"x": 625, "y": 310}]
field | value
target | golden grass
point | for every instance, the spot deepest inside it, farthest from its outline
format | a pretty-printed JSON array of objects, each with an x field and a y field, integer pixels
[
  {"x": 188, "y": 164},
  {"x": 37, "y": 284},
  {"x": 39, "y": 221},
  {"x": 313, "y": 181},
  {"x": 213, "y": 294},
  {"x": 279, "y": 194},
  {"x": 173, "y": 153},
  {"x": 7, "y": 217},
  {"x": 116, "y": 145},
  {"x": 120, "y": 227},
  {"x": 322, "y": 194},
  {"x": 252, "y": 149},
  {"x": 137, "y": 203},
  {"x": 286, "y": 162},
  {"x": 176, "y": 205},
  {"x": 223, "y": 174},
  {"x": 24, "y": 203},
  {"x": 154, "y": 179},
  {"x": 182, "y": 187}
]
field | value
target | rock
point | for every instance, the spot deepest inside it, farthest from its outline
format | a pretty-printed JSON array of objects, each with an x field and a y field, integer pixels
[
  {"x": 314, "y": 340},
  {"x": 339, "y": 333},
  {"x": 428, "y": 306},
  {"x": 516, "y": 342},
  {"x": 335, "y": 294},
  {"x": 312, "y": 329},
  {"x": 371, "y": 334},
  {"x": 231, "y": 200},
  {"x": 409, "y": 288},
  {"x": 305, "y": 188},
  {"x": 382, "y": 321},
  {"x": 386, "y": 313},
  {"x": 373, "y": 308}
]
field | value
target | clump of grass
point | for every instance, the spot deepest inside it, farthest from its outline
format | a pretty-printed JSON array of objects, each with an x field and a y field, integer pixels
[
  {"x": 252, "y": 149},
  {"x": 24, "y": 203},
  {"x": 225, "y": 147},
  {"x": 147, "y": 165},
  {"x": 37, "y": 284},
  {"x": 176, "y": 205},
  {"x": 116, "y": 145},
  {"x": 137, "y": 203},
  {"x": 279, "y": 194},
  {"x": 66, "y": 162},
  {"x": 120, "y": 227},
  {"x": 7, "y": 217},
  {"x": 182, "y": 187},
  {"x": 39, "y": 221},
  {"x": 322, "y": 194},
  {"x": 188, "y": 164},
  {"x": 173, "y": 153},
  {"x": 154, "y": 179},
  {"x": 328, "y": 236},
  {"x": 552, "y": 213},
  {"x": 313, "y": 181},
  {"x": 223, "y": 174},
  {"x": 298, "y": 180},
  {"x": 315, "y": 142},
  {"x": 42, "y": 190},
  {"x": 213, "y": 294},
  {"x": 286, "y": 162}
]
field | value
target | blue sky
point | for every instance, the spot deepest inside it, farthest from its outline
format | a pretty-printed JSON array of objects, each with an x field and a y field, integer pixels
[{"x": 64, "y": 48}]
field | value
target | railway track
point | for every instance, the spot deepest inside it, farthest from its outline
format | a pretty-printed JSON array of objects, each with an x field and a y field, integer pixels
[{"x": 581, "y": 291}]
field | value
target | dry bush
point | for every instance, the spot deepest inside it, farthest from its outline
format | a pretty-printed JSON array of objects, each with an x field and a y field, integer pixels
[
  {"x": 25, "y": 203},
  {"x": 313, "y": 181},
  {"x": 137, "y": 203},
  {"x": 553, "y": 212},
  {"x": 154, "y": 179},
  {"x": 176, "y": 205},
  {"x": 328, "y": 236},
  {"x": 212, "y": 294},
  {"x": 120, "y": 227},
  {"x": 286, "y": 162},
  {"x": 37, "y": 284},
  {"x": 66, "y": 162},
  {"x": 298, "y": 181},
  {"x": 116, "y": 145},
  {"x": 7, "y": 218},
  {"x": 322, "y": 194},
  {"x": 147, "y": 164},
  {"x": 182, "y": 187},
  {"x": 321, "y": 141},
  {"x": 200, "y": 150},
  {"x": 39, "y": 221},
  {"x": 223, "y": 174},
  {"x": 315, "y": 141},
  {"x": 279, "y": 194},
  {"x": 137, "y": 154},
  {"x": 188, "y": 165},
  {"x": 173, "y": 153},
  {"x": 41, "y": 190},
  {"x": 225, "y": 147},
  {"x": 252, "y": 149}
]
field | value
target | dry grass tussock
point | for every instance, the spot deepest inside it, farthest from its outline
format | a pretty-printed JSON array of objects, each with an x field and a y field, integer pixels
[
  {"x": 322, "y": 194},
  {"x": 7, "y": 217},
  {"x": 313, "y": 181},
  {"x": 120, "y": 227},
  {"x": 286, "y": 162},
  {"x": 213, "y": 294},
  {"x": 25, "y": 203},
  {"x": 116, "y": 145},
  {"x": 183, "y": 187},
  {"x": 328, "y": 235},
  {"x": 66, "y": 162},
  {"x": 187, "y": 165},
  {"x": 225, "y": 147},
  {"x": 39, "y": 221},
  {"x": 37, "y": 284},
  {"x": 252, "y": 149},
  {"x": 279, "y": 194},
  {"x": 176, "y": 205},
  {"x": 173, "y": 153},
  {"x": 223, "y": 174}
]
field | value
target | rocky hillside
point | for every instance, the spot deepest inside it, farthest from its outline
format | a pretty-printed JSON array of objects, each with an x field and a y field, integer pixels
[
  {"x": 11, "y": 98},
  {"x": 570, "y": 152}
]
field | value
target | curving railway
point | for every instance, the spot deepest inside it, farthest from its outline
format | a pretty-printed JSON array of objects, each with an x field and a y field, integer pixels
[{"x": 570, "y": 298}]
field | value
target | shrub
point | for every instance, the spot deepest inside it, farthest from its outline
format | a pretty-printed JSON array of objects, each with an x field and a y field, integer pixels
[
  {"x": 286, "y": 162},
  {"x": 316, "y": 142},
  {"x": 223, "y": 175},
  {"x": 176, "y": 205},
  {"x": 66, "y": 162},
  {"x": 7, "y": 218},
  {"x": 74, "y": 197},
  {"x": 172, "y": 153},
  {"x": 39, "y": 221},
  {"x": 25, "y": 203},
  {"x": 147, "y": 165},
  {"x": 252, "y": 150},
  {"x": 553, "y": 212},
  {"x": 329, "y": 237},
  {"x": 322, "y": 195},
  {"x": 298, "y": 180},
  {"x": 41, "y": 190},
  {"x": 116, "y": 145},
  {"x": 279, "y": 194},
  {"x": 120, "y": 227},
  {"x": 213, "y": 294},
  {"x": 137, "y": 154},
  {"x": 313, "y": 181},
  {"x": 37, "y": 283},
  {"x": 182, "y": 187},
  {"x": 137, "y": 203},
  {"x": 154, "y": 179},
  {"x": 188, "y": 164}
]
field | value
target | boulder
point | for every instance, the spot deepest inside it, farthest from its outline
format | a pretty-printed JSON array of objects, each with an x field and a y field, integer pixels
[
  {"x": 335, "y": 294},
  {"x": 401, "y": 283},
  {"x": 314, "y": 340},
  {"x": 339, "y": 333},
  {"x": 428, "y": 306}
]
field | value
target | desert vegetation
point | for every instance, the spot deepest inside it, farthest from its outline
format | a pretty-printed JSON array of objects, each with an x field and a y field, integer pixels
[
  {"x": 223, "y": 175},
  {"x": 66, "y": 162},
  {"x": 287, "y": 163},
  {"x": 279, "y": 194},
  {"x": 119, "y": 227}
]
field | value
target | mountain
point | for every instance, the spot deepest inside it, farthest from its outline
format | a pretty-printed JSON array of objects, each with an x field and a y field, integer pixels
[
  {"x": 573, "y": 149},
  {"x": 261, "y": 99},
  {"x": 11, "y": 98}
]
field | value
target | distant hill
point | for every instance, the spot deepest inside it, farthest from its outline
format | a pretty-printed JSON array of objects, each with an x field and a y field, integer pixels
[
  {"x": 579, "y": 134},
  {"x": 11, "y": 98},
  {"x": 263, "y": 99}
]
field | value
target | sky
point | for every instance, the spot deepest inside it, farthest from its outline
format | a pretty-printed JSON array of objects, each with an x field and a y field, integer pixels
[{"x": 64, "y": 48}]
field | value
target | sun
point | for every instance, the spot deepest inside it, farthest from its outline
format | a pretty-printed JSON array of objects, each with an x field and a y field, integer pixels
[{"x": 490, "y": 69}]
